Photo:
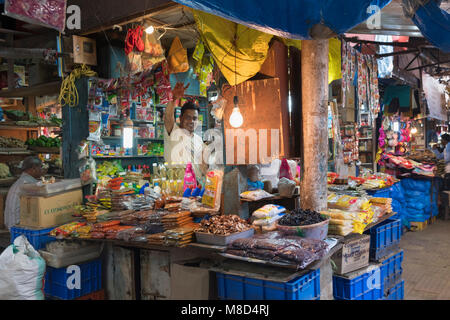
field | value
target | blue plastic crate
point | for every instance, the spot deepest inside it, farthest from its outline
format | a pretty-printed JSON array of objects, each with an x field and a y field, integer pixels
[
  {"x": 367, "y": 286},
  {"x": 234, "y": 287},
  {"x": 90, "y": 281},
  {"x": 384, "y": 238},
  {"x": 37, "y": 237},
  {"x": 391, "y": 270},
  {"x": 397, "y": 292}
]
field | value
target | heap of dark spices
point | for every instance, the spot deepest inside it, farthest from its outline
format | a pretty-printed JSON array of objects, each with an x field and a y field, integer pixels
[{"x": 299, "y": 217}]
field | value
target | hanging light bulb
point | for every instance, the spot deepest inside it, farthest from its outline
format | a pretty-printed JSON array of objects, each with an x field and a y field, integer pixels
[
  {"x": 128, "y": 134},
  {"x": 150, "y": 29},
  {"x": 414, "y": 130},
  {"x": 236, "y": 119}
]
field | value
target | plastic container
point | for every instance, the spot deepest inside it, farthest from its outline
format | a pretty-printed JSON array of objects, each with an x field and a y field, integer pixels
[
  {"x": 233, "y": 287},
  {"x": 384, "y": 238},
  {"x": 365, "y": 286},
  {"x": 391, "y": 270},
  {"x": 37, "y": 237},
  {"x": 313, "y": 231},
  {"x": 220, "y": 240},
  {"x": 71, "y": 257},
  {"x": 56, "y": 281},
  {"x": 397, "y": 292}
]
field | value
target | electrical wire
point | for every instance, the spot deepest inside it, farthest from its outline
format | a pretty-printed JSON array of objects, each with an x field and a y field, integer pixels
[{"x": 68, "y": 94}]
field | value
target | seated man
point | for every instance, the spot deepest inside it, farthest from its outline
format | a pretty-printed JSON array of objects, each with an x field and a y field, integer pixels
[{"x": 32, "y": 171}]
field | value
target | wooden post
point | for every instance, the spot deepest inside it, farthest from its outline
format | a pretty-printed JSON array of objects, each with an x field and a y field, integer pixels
[{"x": 314, "y": 71}]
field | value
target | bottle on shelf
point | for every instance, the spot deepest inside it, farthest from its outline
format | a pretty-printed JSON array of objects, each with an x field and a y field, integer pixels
[
  {"x": 162, "y": 170},
  {"x": 157, "y": 188},
  {"x": 171, "y": 171}
]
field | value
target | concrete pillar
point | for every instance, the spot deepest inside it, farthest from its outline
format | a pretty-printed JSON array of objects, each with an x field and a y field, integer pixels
[{"x": 314, "y": 70}]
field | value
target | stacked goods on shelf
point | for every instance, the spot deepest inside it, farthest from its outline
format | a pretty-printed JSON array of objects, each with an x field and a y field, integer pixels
[
  {"x": 180, "y": 237},
  {"x": 361, "y": 208},
  {"x": 265, "y": 218},
  {"x": 384, "y": 204},
  {"x": 156, "y": 239},
  {"x": 11, "y": 143},
  {"x": 175, "y": 220}
]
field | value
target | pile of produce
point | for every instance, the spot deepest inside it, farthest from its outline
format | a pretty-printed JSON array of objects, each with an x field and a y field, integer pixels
[
  {"x": 107, "y": 168},
  {"x": 17, "y": 115},
  {"x": 44, "y": 141},
  {"x": 4, "y": 171},
  {"x": 275, "y": 247},
  {"x": 11, "y": 143},
  {"x": 223, "y": 225},
  {"x": 299, "y": 217}
]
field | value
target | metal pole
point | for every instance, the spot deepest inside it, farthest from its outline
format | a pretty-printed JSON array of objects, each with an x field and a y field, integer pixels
[{"x": 314, "y": 71}]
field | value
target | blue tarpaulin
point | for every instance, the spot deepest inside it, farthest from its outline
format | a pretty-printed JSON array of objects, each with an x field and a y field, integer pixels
[
  {"x": 293, "y": 19},
  {"x": 434, "y": 23}
]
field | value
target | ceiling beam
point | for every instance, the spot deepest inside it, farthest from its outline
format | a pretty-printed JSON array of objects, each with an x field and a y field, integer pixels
[{"x": 104, "y": 14}]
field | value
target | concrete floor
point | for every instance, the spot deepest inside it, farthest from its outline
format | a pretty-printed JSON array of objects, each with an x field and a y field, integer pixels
[{"x": 426, "y": 264}]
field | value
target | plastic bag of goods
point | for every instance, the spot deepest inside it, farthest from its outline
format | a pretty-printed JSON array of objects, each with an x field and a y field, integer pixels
[
  {"x": 349, "y": 203},
  {"x": 213, "y": 189},
  {"x": 255, "y": 195},
  {"x": 22, "y": 271},
  {"x": 286, "y": 187},
  {"x": 268, "y": 211}
]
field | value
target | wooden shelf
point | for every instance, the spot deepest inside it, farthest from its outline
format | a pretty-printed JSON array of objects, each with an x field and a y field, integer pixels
[
  {"x": 124, "y": 157},
  {"x": 37, "y": 90},
  {"x": 27, "y": 128}
]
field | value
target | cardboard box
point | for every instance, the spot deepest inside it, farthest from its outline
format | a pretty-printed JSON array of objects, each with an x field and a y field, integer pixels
[
  {"x": 353, "y": 255},
  {"x": 189, "y": 281},
  {"x": 46, "y": 212},
  {"x": 84, "y": 51}
]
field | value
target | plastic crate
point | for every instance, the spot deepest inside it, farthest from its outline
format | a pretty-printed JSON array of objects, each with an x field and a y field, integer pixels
[
  {"x": 37, "y": 237},
  {"x": 90, "y": 281},
  {"x": 397, "y": 292},
  {"x": 97, "y": 295},
  {"x": 391, "y": 270},
  {"x": 384, "y": 238},
  {"x": 367, "y": 286},
  {"x": 234, "y": 287}
]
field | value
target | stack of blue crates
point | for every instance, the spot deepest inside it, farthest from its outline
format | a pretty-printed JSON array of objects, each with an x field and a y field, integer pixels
[
  {"x": 59, "y": 286},
  {"x": 391, "y": 275},
  {"x": 38, "y": 238},
  {"x": 366, "y": 286},
  {"x": 384, "y": 238},
  {"x": 385, "y": 253},
  {"x": 234, "y": 287}
]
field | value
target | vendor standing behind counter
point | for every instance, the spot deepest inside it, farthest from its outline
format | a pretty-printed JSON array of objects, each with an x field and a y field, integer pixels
[
  {"x": 181, "y": 144},
  {"x": 445, "y": 154},
  {"x": 32, "y": 171}
]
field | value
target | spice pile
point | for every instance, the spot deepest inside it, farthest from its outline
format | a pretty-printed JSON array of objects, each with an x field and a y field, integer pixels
[
  {"x": 275, "y": 247},
  {"x": 223, "y": 225},
  {"x": 11, "y": 143},
  {"x": 299, "y": 217}
]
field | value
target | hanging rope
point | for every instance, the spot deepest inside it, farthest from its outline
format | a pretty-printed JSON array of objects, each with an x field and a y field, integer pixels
[{"x": 69, "y": 94}]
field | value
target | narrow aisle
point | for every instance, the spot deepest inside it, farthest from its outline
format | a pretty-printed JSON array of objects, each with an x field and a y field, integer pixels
[{"x": 426, "y": 266}]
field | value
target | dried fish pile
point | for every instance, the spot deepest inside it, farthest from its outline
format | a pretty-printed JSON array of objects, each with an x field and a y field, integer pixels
[{"x": 223, "y": 225}]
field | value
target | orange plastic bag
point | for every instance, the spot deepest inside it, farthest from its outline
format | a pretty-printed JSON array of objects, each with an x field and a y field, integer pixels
[{"x": 177, "y": 58}]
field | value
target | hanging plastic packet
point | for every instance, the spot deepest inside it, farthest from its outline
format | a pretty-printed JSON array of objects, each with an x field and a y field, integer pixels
[
  {"x": 83, "y": 150},
  {"x": 95, "y": 126},
  {"x": 285, "y": 170},
  {"x": 105, "y": 124},
  {"x": 87, "y": 171}
]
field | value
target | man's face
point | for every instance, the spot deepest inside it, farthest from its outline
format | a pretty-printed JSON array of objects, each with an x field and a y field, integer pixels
[
  {"x": 36, "y": 172},
  {"x": 189, "y": 120}
]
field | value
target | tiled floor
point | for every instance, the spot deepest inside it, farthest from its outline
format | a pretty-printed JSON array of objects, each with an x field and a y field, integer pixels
[{"x": 426, "y": 265}]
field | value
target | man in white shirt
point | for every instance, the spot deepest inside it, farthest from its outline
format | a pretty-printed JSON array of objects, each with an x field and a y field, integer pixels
[
  {"x": 32, "y": 171},
  {"x": 181, "y": 143},
  {"x": 445, "y": 138}
]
